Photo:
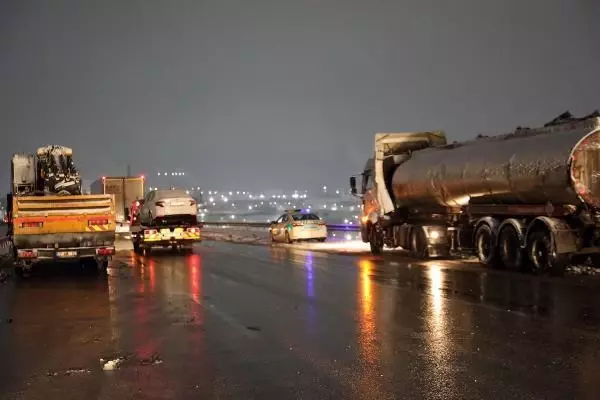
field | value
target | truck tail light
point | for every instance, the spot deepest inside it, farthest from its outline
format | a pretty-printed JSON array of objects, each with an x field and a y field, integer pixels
[
  {"x": 105, "y": 251},
  {"x": 160, "y": 203},
  {"x": 32, "y": 224},
  {"x": 27, "y": 254},
  {"x": 193, "y": 230},
  {"x": 97, "y": 222}
]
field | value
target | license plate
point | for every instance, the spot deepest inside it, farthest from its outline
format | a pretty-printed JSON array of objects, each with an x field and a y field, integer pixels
[
  {"x": 66, "y": 254},
  {"x": 177, "y": 204}
]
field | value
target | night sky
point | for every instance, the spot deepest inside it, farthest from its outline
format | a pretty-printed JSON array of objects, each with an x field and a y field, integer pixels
[{"x": 257, "y": 94}]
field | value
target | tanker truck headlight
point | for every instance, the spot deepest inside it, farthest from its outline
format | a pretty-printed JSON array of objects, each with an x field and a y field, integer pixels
[{"x": 434, "y": 235}]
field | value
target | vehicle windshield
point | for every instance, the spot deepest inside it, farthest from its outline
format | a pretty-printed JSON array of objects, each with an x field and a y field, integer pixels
[{"x": 305, "y": 217}]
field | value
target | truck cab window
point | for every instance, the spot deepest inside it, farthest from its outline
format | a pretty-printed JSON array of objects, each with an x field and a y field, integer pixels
[{"x": 367, "y": 182}]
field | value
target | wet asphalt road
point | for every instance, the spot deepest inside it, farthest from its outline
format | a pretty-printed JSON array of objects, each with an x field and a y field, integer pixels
[{"x": 240, "y": 321}]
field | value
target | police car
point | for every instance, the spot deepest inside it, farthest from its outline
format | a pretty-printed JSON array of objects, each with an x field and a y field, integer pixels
[{"x": 297, "y": 225}]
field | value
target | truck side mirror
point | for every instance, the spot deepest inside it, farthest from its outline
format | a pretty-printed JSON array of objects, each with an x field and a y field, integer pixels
[{"x": 353, "y": 185}]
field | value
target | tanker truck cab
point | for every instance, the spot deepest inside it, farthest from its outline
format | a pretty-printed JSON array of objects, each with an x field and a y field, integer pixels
[{"x": 382, "y": 219}]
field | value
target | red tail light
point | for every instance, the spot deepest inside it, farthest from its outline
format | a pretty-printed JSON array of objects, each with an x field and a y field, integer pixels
[
  {"x": 97, "y": 222},
  {"x": 32, "y": 224},
  {"x": 160, "y": 203},
  {"x": 27, "y": 253},
  {"x": 297, "y": 224},
  {"x": 193, "y": 230},
  {"x": 105, "y": 251}
]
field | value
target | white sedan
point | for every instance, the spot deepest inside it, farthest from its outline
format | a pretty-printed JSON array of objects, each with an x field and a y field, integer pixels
[
  {"x": 296, "y": 225},
  {"x": 168, "y": 206}
]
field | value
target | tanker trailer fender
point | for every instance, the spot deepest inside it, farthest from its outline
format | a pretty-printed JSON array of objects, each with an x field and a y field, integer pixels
[{"x": 562, "y": 237}]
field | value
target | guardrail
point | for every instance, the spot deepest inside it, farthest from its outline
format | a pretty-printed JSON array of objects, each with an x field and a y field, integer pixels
[{"x": 265, "y": 225}]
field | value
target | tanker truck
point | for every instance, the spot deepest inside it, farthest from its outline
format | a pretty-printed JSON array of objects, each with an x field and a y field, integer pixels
[{"x": 529, "y": 199}]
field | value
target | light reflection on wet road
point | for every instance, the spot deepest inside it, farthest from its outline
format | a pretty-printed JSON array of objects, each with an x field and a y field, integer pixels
[{"x": 239, "y": 321}]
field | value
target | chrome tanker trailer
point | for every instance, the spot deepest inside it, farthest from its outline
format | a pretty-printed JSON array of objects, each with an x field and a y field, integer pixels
[{"x": 528, "y": 199}]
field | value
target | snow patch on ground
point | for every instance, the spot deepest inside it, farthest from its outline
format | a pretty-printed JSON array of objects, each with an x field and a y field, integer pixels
[
  {"x": 111, "y": 365},
  {"x": 339, "y": 244}
]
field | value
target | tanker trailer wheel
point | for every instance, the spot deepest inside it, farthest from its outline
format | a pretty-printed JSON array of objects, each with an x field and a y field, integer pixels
[
  {"x": 509, "y": 246},
  {"x": 376, "y": 239},
  {"x": 543, "y": 256},
  {"x": 418, "y": 243},
  {"x": 486, "y": 251}
]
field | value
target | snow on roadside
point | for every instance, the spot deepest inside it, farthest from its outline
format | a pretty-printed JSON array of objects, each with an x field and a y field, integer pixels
[{"x": 333, "y": 245}]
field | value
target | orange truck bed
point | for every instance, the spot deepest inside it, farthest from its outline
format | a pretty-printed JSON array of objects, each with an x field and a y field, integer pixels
[{"x": 50, "y": 227}]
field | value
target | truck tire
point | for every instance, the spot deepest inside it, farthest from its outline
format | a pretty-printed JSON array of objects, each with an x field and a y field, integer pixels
[
  {"x": 485, "y": 248},
  {"x": 418, "y": 243},
  {"x": 376, "y": 240},
  {"x": 542, "y": 256},
  {"x": 509, "y": 247},
  {"x": 364, "y": 233}
]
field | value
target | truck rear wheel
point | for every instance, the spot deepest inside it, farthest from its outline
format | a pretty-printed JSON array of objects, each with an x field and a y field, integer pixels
[
  {"x": 543, "y": 256},
  {"x": 485, "y": 248},
  {"x": 509, "y": 246},
  {"x": 418, "y": 243}
]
